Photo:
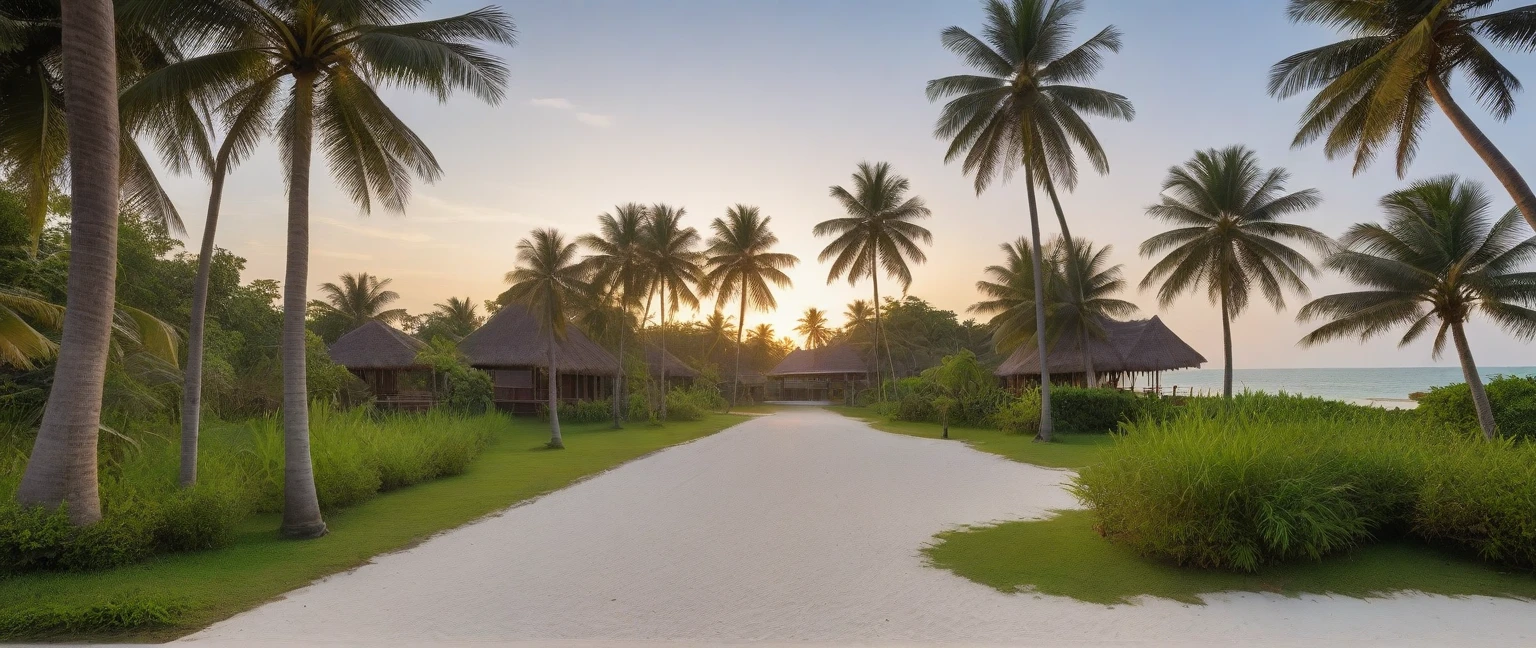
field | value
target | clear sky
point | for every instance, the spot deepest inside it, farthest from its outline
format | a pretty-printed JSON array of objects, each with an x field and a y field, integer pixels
[{"x": 705, "y": 104}]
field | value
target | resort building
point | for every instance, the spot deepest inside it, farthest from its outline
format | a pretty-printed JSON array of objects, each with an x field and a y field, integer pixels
[
  {"x": 1130, "y": 352},
  {"x": 832, "y": 373},
  {"x": 679, "y": 373},
  {"x": 515, "y": 351},
  {"x": 384, "y": 358}
]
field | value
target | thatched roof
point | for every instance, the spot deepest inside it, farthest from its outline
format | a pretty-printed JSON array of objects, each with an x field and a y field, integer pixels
[
  {"x": 834, "y": 359},
  {"x": 512, "y": 338},
  {"x": 676, "y": 368},
  {"x": 376, "y": 345},
  {"x": 1141, "y": 345}
]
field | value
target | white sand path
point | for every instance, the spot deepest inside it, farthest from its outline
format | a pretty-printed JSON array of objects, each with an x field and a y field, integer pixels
[{"x": 802, "y": 528}]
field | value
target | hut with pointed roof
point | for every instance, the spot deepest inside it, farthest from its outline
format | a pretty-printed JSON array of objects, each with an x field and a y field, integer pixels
[
  {"x": 679, "y": 373},
  {"x": 512, "y": 347},
  {"x": 1129, "y": 350},
  {"x": 831, "y": 373},
  {"x": 384, "y": 358}
]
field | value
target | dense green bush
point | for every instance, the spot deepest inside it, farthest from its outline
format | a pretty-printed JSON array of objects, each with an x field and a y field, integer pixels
[
  {"x": 1514, "y": 407},
  {"x": 1079, "y": 409},
  {"x": 693, "y": 403},
  {"x": 587, "y": 411},
  {"x": 1481, "y": 496},
  {"x": 468, "y": 390},
  {"x": 1020, "y": 414}
]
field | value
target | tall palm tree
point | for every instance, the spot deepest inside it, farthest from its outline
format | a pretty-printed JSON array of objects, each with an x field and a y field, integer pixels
[
  {"x": 328, "y": 56},
  {"x": 877, "y": 237},
  {"x": 61, "y": 471},
  {"x": 740, "y": 263},
  {"x": 1023, "y": 110},
  {"x": 1227, "y": 210},
  {"x": 617, "y": 260},
  {"x": 547, "y": 280},
  {"x": 1439, "y": 257},
  {"x": 461, "y": 315},
  {"x": 1377, "y": 85},
  {"x": 672, "y": 257},
  {"x": 813, "y": 326},
  {"x": 358, "y": 299},
  {"x": 1084, "y": 299}
]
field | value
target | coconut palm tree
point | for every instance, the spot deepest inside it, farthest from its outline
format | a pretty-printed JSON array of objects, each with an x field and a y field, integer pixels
[
  {"x": 461, "y": 316},
  {"x": 61, "y": 471},
  {"x": 358, "y": 299},
  {"x": 547, "y": 280},
  {"x": 1227, "y": 210},
  {"x": 1009, "y": 296},
  {"x": 857, "y": 317},
  {"x": 877, "y": 237},
  {"x": 813, "y": 326},
  {"x": 719, "y": 329},
  {"x": 617, "y": 260},
  {"x": 1375, "y": 88},
  {"x": 740, "y": 264},
  {"x": 672, "y": 258},
  {"x": 1439, "y": 257},
  {"x": 315, "y": 66},
  {"x": 762, "y": 334},
  {"x": 1086, "y": 284},
  {"x": 22, "y": 345},
  {"x": 1024, "y": 109}
]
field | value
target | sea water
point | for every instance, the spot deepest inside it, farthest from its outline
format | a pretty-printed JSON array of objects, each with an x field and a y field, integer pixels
[{"x": 1385, "y": 386}]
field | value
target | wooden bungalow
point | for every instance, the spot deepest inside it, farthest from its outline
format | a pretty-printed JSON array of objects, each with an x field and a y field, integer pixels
[
  {"x": 511, "y": 346},
  {"x": 679, "y": 374},
  {"x": 1139, "y": 349},
  {"x": 831, "y": 373},
  {"x": 384, "y": 358}
]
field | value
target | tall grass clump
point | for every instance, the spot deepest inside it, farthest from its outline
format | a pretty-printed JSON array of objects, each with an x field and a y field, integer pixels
[{"x": 1480, "y": 496}]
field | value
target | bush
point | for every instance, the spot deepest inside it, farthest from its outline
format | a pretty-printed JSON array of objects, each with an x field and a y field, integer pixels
[
  {"x": 1481, "y": 497},
  {"x": 915, "y": 405},
  {"x": 468, "y": 391},
  {"x": 1021, "y": 414},
  {"x": 583, "y": 411},
  {"x": 1514, "y": 407},
  {"x": 1079, "y": 409}
]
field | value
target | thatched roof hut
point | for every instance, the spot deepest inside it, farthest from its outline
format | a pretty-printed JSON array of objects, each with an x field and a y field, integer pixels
[
  {"x": 376, "y": 345},
  {"x": 512, "y": 338},
  {"x": 1140, "y": 346},
  {"x": 676, "y": 368},
  {"x": 839, "y": 358}
]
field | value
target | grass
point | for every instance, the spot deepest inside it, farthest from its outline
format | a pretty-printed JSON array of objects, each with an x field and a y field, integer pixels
[
  {"x": 173, "y": 595},
  {"x": 1064, "y": 451},
  {"x": 1063, "y": 556}
]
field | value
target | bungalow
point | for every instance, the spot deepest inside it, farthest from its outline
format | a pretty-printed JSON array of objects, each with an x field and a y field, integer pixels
[
  {"x": 679, "y": 374},
  {"x": 1140, "y": 347},
  {"x": 830, "y": 373},
  {"x": 384, "y": 358},
  {"x": 512, "y": 347}
]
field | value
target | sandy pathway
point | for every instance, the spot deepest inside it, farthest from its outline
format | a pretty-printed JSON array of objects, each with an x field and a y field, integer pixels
[{"x": 800, "y": 528}]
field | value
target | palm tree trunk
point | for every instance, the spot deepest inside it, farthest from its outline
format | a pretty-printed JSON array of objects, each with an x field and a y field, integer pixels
[
  {"x": 62, "y": 468},
  {"x": 301, "y": 505},
  {"x": 1474, "y": 382},
  {"x": 741, "y": 326},
  {"x": 1082, "y": 345},
  {"x": 556, "y": 442},
  {"x": 192, "y": 383},
  {"x": 663, "y": 361},
  {"x": 1061, "y": 217},
  {"x": 1502, "y": 169},
  {"x": 1226, "y": 344},
  {"x": 618, "y": 418},
  {"x": 1045, "y": 371},
  {"x": 874, "y": 347}
]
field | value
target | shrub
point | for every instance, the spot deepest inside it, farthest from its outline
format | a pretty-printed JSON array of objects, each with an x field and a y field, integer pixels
[
  {"x": 1021, "y": 414},
  {"x": 469, "y": 391},
  {"x": 915, "y": 405},
  {"x": 1514, "y": 407},
  {"x": 1481, "y": 497},
  {"x": 586, "y": 411},
  {"x": 639, "y": 408},
  {"x": 1079, "y": 409}
]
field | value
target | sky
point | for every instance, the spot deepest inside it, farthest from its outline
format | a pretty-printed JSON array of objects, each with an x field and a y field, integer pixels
[{"x": 706, "y": 104}]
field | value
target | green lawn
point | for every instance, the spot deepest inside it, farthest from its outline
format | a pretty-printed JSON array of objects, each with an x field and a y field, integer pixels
[
  {"x": 174, "y": 595},
  {"x": 1063, "y": 556},
  {"x": 1065, "y": 451}
]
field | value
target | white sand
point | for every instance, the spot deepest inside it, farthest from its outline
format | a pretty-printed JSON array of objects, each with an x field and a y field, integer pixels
[{"x": 802, "y": 528}]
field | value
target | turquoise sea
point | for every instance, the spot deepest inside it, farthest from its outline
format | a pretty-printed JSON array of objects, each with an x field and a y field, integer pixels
[{"x": 1381, "y": 385}]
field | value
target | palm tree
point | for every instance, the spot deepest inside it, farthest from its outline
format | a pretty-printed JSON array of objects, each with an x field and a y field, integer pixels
[
  {"x": 858, "y": 317},
  {"x": 1024, "y": 110},
  {"x": 1228, "y": 210},
  {"x": 740, "y": 263},
  {"x": 672, "y": 258},
  {"x": 1439, "y": 257},
  {"x": 461, "y": 315},
  {"x": 1376, "y": 86},
  {"x": 330, "y": 55},
  {"x": 1009, "y": 296},
  {"x": 358, "y": 299},
  {"x": 813, "y": 325},
  {"x": 762, "y": 334},
  {"x": 61, "y": 471},
  {"x": 719, "y": 328},
  {"x": 1085, "y": 298},
  {"x": 547, "y": 280},
  {"x": 878, "y": 236},
  {"x": 617, "y": 261},
  {"x": 21, "y": 345}
]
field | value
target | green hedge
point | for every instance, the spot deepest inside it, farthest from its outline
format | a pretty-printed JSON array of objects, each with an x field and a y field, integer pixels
[
  {"x": 1513, "y": 399},
  {"x": 1079, "y": 409}
]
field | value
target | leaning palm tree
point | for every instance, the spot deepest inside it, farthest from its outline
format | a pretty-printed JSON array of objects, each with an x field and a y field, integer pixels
[
  {"x": 1439, "y": 257},
  {"x": 1085, "y": 297},
  {"x": 617, "y": 261},
  {"x": 813, "y": 326},
  {"x": 1024, "y": 110},
  {"x": 547, "y": 280},
  {"x": 61, "y": 471},
  {"x": 1375, "y": 88},
  {"x": 358, "y": 299},
  {"x": 740, "y": 263},
  {"x": 877, "y": 237},
  {"x": 1227, "y": 210},
  {"x": 672, "y": 259},
  {"x": 311, "y": 67}
]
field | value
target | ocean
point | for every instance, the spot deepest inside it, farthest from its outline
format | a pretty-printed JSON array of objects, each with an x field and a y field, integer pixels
[{"x": 1384, "y": 386}]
